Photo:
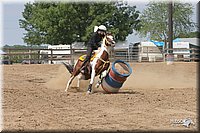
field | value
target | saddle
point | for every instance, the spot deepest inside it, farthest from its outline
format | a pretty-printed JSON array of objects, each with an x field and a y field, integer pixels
[{"x": 82, "y": 57}]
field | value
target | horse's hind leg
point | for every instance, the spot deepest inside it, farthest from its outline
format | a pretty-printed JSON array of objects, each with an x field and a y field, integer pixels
[
  {"x": 69, "y": 82},
  {"x": 74, "y": 74}
]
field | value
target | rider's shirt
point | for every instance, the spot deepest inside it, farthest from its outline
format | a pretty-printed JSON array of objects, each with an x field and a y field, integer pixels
[{"x": 95, "y": 41}]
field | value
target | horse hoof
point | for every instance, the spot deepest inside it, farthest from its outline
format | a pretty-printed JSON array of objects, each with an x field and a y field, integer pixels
[
  {"x": 97, "y": 85},
  {"x": 89, "y": 92}
]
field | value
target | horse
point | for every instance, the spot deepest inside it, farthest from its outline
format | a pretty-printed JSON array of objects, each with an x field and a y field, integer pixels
[{"x": 97, "y": 66}]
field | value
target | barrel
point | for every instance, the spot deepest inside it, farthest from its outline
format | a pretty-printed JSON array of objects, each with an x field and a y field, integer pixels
[{"x": 116, "y": 76}]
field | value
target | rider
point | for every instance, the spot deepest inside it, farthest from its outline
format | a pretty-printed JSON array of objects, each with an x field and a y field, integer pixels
[{"x": 93, "y": 44}]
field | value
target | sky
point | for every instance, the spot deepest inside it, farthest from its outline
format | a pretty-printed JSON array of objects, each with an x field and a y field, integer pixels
[{"x": 11, "y": 12}]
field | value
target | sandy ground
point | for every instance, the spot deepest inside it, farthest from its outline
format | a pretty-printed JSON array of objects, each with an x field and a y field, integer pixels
[{"x": 155, "y": 97}]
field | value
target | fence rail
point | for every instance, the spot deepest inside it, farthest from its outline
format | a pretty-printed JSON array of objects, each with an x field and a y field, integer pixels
[
  {"x": 183, "y": 54},
  {"x": 131, "y": 54},
  {"x": 36, "y": 54}
]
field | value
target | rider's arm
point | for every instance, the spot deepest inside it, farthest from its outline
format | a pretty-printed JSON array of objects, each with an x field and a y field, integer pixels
[{"x": 92, "y": 41}]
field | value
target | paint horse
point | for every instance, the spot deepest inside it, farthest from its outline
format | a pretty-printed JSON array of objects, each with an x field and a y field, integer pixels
[{"x": 98, "y": 64}]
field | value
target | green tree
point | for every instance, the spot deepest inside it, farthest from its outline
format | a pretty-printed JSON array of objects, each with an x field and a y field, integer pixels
[
  {"x": 65, "y": 23},
  {"x": 189, "y": 35},
  {"x": 154, "y": 20}
]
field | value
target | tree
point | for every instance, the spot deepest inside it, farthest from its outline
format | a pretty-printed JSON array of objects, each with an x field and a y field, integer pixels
[
  {"x": 189, "y": 35},
  {"x": 65, "y": 23},
  {"x": 154, "y": 20}
]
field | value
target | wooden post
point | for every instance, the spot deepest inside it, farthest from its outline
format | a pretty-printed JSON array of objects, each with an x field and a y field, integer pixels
[
  {"x": 9, "y": 56},
  {"x": 71, "y": 55},
  {"x": 193, "y": 55},
  {"x": 51, "y": 56},
  {"x": 39, "y": 61},
  {"x": 170, "y": 25},
  {"x": 29, "y": 56},
  {"x": 170, "y": 56},
  {"x": 147, "y": 53}
]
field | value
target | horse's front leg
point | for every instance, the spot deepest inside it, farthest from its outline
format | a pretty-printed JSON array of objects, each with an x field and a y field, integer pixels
[
  {"x": 91, "y": 80},
  {"x": 102, "y": 75}
]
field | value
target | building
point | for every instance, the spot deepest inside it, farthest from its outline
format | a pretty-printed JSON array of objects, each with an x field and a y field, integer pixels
[
  {"x": 139, "y": 52},
  {"x": 62, "y": 53},
  {"x": 145, "y": 51},
  {"x": 188, "y": 49}
]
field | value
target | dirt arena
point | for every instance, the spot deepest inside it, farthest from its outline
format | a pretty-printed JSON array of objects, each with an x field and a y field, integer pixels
[{"x": 155, "y": 97}]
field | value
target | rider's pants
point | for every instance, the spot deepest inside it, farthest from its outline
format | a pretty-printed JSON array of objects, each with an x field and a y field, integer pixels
[{"x": 89, "y": 54}]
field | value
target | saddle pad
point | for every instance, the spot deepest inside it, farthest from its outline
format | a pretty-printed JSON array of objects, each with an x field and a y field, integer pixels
[{"x": 82, "y": 58}]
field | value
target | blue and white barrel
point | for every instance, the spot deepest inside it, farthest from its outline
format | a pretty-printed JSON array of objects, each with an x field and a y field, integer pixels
[{"x": 117, "y": 75}]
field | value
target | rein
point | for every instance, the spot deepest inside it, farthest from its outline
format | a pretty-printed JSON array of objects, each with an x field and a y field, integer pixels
[
  {"x": 104, "y": 63},
  {"x": 107, "y": 41}
]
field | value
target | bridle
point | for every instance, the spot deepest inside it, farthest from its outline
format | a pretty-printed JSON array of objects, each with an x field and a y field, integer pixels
[{"x": 109, "y": 41}]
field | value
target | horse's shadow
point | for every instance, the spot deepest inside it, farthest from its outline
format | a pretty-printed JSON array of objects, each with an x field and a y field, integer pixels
[{"x": 76, "y": 89}]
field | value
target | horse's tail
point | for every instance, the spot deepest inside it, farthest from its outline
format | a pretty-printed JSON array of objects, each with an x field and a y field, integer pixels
[{"x": 68, "y": 66}]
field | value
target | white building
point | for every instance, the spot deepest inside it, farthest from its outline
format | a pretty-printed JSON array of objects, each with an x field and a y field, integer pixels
[
  {"x": 61, "y": 53},
  {"x": 145, "y": 51},
  {"x": 185, "y": 48}
]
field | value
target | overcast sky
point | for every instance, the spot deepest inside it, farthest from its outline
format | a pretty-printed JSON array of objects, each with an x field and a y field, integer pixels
[{"x": 11, "y": 12}]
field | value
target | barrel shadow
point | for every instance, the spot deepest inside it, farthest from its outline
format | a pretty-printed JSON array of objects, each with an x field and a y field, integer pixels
[{"x": 125, "y": 92}]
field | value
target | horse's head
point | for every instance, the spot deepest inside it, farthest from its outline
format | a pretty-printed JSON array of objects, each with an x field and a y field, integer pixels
[{"x": 109, "y": 40}]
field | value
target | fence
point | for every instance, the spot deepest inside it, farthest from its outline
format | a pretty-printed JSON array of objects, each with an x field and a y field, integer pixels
[
  {"x": 155, "y": 54},
  {"x": 183, "y": 54},
  {"x": 131, "y": 54},
  {"x": 139, "y": 54},
  {"x": 35, "y": 55}
]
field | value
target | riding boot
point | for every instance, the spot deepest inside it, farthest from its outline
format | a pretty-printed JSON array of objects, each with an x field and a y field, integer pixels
[
  {"x": 84, "y": 65},
  {"x": 84, "y": 68}
]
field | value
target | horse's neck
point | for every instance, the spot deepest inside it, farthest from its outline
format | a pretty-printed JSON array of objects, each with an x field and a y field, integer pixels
[
  {"x": 102, "y": 50},
  {"x": 106, "y": 48}
]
